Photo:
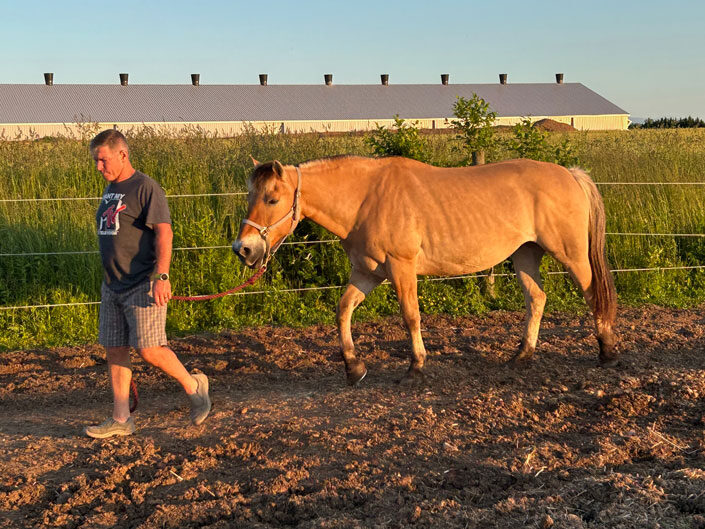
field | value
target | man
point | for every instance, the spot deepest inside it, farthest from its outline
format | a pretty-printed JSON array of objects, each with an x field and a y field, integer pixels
[{"x": 134, "y": 236}]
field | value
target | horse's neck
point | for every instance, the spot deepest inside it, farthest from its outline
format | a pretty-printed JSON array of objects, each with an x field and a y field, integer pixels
[{"x": 331, "y": 197}]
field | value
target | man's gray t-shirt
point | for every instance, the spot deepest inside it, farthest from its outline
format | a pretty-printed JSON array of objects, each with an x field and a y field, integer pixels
[{"x": 125, "y": 219}]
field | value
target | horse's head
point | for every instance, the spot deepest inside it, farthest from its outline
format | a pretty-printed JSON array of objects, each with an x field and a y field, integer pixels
[{"x": 272, "y": 213}]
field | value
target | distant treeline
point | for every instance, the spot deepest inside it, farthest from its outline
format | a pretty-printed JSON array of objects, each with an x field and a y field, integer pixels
[{"x": 670, "y": 123}]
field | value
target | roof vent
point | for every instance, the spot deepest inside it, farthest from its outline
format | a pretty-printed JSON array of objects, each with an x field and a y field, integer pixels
[
  {"x": 444, "y": 78},
  {"x": 328, "y": 78},
  {"x": 559, "y": 78},
  {"x": 49, "y": 79},
  {"x": 385, "y": 79},
  {"x": 123, "y": 79},
  {"x": 263, "y": 79},
  {"x": 503, "y": 78},
  {"x": 195, "y": 79}
]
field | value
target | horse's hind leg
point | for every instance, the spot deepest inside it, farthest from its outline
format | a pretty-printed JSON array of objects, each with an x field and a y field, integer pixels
[
  {"x": 526, "y": 261},
  {"x": 581, "y": 271},
  {"x": 402, "y": 275},
  {"x": 359, "y": 286}
]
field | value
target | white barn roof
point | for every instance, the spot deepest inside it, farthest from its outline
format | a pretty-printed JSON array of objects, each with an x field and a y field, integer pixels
[{"x": 67, "y": 103}]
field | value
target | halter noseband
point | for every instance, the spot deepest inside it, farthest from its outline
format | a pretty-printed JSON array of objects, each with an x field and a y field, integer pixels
[{"x": 294, "y": 213}]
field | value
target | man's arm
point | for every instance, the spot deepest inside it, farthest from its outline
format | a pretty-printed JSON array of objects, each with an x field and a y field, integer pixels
[{"x": 162, "y": 247}]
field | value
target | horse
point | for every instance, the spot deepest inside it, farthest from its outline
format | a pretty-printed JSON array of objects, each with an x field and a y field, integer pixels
[{"x": 398, "y": 218}]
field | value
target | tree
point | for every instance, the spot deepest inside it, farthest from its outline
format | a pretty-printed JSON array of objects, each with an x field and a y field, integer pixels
[
  {"x": 474, "y": 125},
  {"x": 669, "y": 123}
]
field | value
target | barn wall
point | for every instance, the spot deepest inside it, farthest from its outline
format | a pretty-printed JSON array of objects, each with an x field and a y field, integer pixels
[
  {"x": 222, "y": 128},
  {"x": 606, "y": 122}
]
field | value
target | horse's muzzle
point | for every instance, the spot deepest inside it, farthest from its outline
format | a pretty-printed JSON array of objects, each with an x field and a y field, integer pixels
[{"x": 249, "y": 255}]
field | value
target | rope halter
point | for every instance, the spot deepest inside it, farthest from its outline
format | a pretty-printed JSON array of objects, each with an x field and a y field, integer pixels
[{"x": 294, "y": 213}]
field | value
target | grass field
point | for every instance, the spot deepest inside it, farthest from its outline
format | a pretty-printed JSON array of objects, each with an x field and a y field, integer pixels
[{"x": 198, "y": 164}]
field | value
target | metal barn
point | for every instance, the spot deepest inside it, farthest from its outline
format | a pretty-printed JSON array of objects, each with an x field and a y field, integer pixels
[{"x": 37, "y": 110}]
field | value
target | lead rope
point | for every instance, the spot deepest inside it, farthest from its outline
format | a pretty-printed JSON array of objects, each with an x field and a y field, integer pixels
[
  {"x": 250, "y": 281},
  {"x": 205, "y": 297},
  {"x": 135, "y": 397}
]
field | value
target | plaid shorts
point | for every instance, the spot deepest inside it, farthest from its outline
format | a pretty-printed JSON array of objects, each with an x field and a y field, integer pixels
[{"x": 131, "y": 318}]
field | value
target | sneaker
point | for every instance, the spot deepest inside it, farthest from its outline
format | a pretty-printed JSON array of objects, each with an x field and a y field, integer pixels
[
  {"x": 200, "y": 401},
  {"x": 110, "y": 427}
]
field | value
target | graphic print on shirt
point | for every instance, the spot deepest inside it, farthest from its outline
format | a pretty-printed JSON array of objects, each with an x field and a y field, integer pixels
[{"x": 110, "y": 218}]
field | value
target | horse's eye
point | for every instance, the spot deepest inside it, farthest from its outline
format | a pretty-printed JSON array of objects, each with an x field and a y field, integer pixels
[{"x": 272, "y": 201}]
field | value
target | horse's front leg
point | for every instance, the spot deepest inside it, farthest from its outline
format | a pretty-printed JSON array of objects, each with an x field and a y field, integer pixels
[
  {"x": 402, "y": 275},
  {"x": 359, "y": 286}
]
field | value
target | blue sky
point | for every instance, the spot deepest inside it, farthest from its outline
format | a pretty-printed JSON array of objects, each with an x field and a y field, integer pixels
[{"x": 644, "y": 56}]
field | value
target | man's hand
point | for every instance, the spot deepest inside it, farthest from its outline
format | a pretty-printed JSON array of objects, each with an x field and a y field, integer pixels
[{"x": 162, "y": 291}]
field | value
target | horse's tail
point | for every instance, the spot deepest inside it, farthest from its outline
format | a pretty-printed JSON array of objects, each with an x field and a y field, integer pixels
[{"x": 604, "y": 292}]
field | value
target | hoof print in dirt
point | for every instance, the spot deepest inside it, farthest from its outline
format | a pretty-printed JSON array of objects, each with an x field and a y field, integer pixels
[{"x": 413, "y": 378}]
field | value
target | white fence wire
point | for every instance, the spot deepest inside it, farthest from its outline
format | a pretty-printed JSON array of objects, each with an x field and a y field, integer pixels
[
  {"x": 328, "y": 241},
  {"x": 244, "y": 193},
  {"x": 385, "y": 282},
  {"x": 65, "y": 199}
]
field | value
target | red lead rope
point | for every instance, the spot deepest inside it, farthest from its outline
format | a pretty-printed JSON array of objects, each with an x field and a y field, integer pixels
[
  {"x": 205, "y": 297},
  {"x": 135, "y": 398}
]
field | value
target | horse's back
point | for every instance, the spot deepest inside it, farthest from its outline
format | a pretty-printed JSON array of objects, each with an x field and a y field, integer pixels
[{"x": 467, "y": 219}]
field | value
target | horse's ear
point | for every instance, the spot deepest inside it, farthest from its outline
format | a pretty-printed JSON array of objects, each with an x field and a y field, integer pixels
[
  {"x": 254, "y": 162},
  {"x": 278, "y": 168}
]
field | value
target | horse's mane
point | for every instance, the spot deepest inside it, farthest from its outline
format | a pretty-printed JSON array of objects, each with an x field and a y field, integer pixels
[
  {"x": 264, "y": 171},
  {"x": 331, "y": 159},
  {"x": 261, "y": 174}
]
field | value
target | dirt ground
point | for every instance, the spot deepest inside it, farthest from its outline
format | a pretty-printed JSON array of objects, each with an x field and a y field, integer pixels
[{"x": 560, "y": 443}]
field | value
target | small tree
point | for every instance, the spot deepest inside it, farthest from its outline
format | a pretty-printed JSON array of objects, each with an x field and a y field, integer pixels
[
  {"x": 530, "y": 142},
  {"x": 402, "y": 140},
  {"x": 474, "y": 125}
]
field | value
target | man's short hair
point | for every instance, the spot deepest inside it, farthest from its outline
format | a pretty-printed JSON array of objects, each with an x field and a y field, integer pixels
[{"x": 112, "y": 138}]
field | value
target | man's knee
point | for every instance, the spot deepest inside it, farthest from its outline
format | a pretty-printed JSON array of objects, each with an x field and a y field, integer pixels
[
  {"x": 153, "y": 355},
  {"x": 117, "y": 355}
]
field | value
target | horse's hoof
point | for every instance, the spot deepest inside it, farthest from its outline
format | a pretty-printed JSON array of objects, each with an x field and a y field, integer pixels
[
  {"x": 413, "y": 377},
  {"x": 523, "y": 357},
  {"x": 355, "y": 373},
  {"x": 519, "y": 362},
  {"x": 611, "y": 361},
  {"x": 608, "y": 352}
]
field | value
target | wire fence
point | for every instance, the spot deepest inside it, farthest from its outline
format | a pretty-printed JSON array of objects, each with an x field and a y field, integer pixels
[
  {"x": 180, "y": 249},
  {"x": 65, "y": 199},
  {"x": 329, "y": 241},
  {"x": 385, "y": 282},
  {"x": 244, "y": 193},
  {"x": 304, "y": 243}
]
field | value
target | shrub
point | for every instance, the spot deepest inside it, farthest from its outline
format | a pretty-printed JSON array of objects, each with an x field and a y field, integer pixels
[
  {"x": 404, "y": 140},
  {"x": 531, "y": 142}
]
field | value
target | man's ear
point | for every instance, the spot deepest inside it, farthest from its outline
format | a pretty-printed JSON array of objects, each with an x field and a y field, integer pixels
[{"x": 254, "y": 162}]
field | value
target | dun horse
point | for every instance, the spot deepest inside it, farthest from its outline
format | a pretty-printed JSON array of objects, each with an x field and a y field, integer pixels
[{"x": 398, "y": 218}]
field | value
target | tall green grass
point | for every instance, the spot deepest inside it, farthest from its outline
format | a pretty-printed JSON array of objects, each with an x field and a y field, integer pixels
[{"x": 199, "y": 163}]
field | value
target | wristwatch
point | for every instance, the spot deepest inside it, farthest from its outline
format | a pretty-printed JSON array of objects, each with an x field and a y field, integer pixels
[{"x": 162, "y": 277}]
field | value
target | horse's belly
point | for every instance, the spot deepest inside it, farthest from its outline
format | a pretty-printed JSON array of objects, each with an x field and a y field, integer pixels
[{"x": 469, "y": 258}]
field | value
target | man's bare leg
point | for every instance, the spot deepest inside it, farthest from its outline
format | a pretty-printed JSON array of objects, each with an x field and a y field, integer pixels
[
  {"x": 166, "y": 360},
  {"x": 120, "y": 373}
]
